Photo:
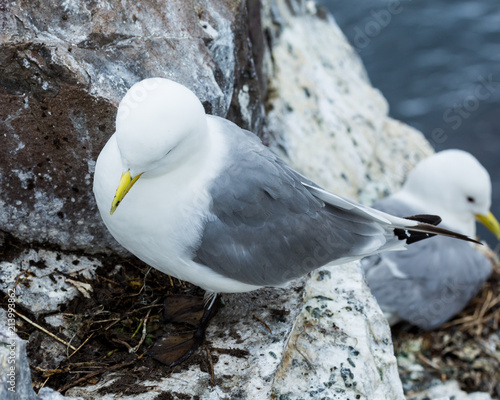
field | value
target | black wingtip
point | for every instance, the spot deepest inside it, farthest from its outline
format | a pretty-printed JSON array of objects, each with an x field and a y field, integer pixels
[
  {"x": 426, "y": 229},
  {"x": 426, "y": 219}
]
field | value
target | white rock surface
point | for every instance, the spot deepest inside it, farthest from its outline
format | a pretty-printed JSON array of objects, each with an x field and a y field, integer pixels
[
  {"x": 326, "y": 119},
  {"x": 340, "y": 347},
  {"x": 44, "y": 280},
  {"x": 448, "y": 391}
]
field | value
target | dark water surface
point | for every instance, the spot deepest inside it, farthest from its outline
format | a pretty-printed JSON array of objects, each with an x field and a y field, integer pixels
[{"x": 438, "y": 64}]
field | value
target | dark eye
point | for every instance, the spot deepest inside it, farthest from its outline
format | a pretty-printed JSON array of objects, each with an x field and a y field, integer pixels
[{"x": 471, "y": 199}]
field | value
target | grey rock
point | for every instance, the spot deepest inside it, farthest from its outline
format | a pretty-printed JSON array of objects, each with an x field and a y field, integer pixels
[
  {"x": 45, "y": 280},
  {"x": 50, "y": 394},
  {"x": 15, "y": 376},
  {"x": 330, "y": 353},
  {"x": 448, "y": 391}
]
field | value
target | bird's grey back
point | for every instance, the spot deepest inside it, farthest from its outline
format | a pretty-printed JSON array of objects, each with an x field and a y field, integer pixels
[
  {"x": 267, "y": 228},
  {"x": 433, "y": 279}
]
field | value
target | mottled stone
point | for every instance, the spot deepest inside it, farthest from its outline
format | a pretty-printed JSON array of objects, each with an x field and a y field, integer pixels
[
  {"x": 341, "y": 346},
  {"x": 448, "y": 391},
  {"x": 44, "y": 281},
  {"x": 15, "y": 377}
]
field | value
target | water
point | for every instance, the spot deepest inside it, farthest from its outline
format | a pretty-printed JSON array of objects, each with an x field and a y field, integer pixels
[{"x": 438, "y": 64}]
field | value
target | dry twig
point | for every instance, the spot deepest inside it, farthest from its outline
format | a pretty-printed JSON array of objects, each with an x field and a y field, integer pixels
[
  {"x": 79, "y": 347},
  {"x": 45, "y": 331},
  {"x": 263, "y": 323},
  {"x": 92, "y": 374}
]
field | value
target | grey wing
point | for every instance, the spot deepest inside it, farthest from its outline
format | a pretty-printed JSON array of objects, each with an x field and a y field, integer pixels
[
  {"x": 267, "y": 228},
  {"x": 428, "y": 283}
]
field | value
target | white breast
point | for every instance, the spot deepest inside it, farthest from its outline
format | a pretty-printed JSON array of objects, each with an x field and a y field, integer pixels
[{"x": 161, "y": 219}]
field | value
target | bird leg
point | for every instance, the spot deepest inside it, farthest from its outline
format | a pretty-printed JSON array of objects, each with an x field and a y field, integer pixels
[{"x": 188, "y": 310}]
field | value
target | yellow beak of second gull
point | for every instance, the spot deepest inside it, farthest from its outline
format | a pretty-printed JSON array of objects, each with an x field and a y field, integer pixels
[
  {"x": 126, "y": 183},
  {"x": 490, "y": 222}
]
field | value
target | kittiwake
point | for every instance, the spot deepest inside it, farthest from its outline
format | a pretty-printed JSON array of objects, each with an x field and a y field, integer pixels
[
  {"x": 435, "y": 279},
  {"x": 203, "y": 200}
]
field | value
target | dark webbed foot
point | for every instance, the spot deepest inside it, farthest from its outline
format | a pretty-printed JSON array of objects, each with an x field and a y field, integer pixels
[{"x": 192, "y": 312}]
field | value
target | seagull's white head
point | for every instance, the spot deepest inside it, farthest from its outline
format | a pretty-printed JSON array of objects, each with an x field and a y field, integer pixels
[
  {"x": 158, "y": 125},
  {"x": 155, "y": 117},
  {"x": 455, "y": 186}
]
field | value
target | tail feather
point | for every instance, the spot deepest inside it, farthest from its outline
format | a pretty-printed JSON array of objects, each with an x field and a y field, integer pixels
[
  {"x": 426, "y": 229},
  {"x": 412, "y": 229}
]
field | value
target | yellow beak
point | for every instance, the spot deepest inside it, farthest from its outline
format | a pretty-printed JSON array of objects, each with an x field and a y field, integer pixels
[
  {"x": 126, "y": 183},
  {"x": 490, "y": 222}
]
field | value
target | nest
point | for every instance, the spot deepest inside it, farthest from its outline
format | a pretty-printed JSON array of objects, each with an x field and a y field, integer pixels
[{"x": 111, "y": 332}]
